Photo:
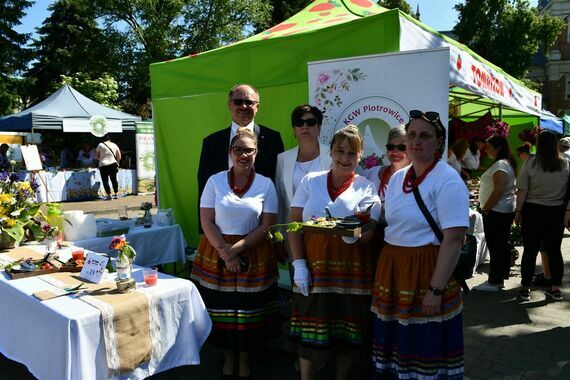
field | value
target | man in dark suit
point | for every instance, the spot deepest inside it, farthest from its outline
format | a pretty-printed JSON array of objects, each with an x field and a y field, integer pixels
[{"x": 243, "y": 103}]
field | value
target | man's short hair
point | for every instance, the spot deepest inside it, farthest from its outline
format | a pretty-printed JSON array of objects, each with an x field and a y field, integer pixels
[{"x": 231, "y": 93}]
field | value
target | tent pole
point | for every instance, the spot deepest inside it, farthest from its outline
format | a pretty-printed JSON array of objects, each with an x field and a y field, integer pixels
[
  {"x": 32, "y": 135},
  {"x": 500, "y": 111}
]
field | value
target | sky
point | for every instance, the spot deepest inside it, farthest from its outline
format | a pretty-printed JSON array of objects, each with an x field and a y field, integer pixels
[{"x": 439, "y": 14}]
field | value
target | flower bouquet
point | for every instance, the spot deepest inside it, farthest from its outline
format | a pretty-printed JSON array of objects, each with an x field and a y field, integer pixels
[
  {"x": 371, "y": 161},
  {"x": 18, "y": 207},
  {"x": 125, "y": 256}
]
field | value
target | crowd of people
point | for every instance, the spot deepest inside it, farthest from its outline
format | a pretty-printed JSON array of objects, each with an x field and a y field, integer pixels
[{"x": 387, "y": 297}]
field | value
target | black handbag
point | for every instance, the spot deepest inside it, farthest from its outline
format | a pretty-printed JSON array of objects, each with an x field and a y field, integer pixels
[{"x": 464, "y": 267}]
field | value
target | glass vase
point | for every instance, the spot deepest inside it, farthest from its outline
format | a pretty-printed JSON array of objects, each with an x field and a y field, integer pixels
[
  {"x": 123, "y": 266},
  {"x": 147, "y": 219}
]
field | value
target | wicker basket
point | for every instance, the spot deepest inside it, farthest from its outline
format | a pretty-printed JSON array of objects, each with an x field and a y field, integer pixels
[{"x": 6, "y": 242}]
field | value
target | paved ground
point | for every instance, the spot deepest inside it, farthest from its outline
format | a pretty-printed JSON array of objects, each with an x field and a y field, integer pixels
[{"x": 504, "y": 337}]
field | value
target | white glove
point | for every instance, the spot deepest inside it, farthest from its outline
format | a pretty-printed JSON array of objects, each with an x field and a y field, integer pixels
[{"x": 302, "y": 276}]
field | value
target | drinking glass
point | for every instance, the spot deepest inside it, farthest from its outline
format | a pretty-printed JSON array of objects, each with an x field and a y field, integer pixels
[{"x": 150, "y": 276}]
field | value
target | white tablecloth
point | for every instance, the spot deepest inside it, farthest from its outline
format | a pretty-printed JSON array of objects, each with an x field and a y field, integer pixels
[
  {"x": 80, "y": 185},
  {"x": 155, "y": 246},
  {"x": 62, "y": 339},
  {"x": 476, "y": 229}
]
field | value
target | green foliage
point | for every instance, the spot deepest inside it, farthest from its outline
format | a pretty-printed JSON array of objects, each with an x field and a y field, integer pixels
[
  {"x": 102, "y": 90},
  {"x": 281, "y": 10},
  {"x": 70, "y": 42},
  {"x": 506, "y": 32},
  {"x": 400, "y": 4},
  {"x": 13, "y": 54},
  {"x": 160, "y": 30}
]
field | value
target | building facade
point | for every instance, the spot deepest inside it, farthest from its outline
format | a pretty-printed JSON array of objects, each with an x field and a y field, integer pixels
[{"x": 553, "y": 70}]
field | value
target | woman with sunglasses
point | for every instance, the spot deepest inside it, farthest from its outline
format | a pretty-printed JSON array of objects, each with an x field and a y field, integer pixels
[
  {"x": 309, "y": 156},
  {"x": 330, "y": 317},
  {"x": 235, "y": 268},
  {"x": 396, "y": 154},
  {"x": 543, "y": 211},
  {"x": 497, "y": 200},
  {"x": 417, "y": 325}
]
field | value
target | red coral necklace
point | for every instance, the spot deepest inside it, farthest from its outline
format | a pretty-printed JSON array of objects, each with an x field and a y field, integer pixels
[
  {"x": 335, "y": 192},
  {"x": 410, "y": 180},
  {"x": 240, "y": 190}
]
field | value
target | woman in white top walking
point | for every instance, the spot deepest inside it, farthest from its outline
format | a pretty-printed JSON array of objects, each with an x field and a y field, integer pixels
[
  {"x": 497, "y": 200},
  {"x": 109, "y": 155}
]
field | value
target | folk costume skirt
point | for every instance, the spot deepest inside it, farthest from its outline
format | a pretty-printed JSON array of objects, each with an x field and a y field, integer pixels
[
  {"x": 408, "y": 344},
  {"x": 335, "y": 318},
  {"x": 243, "y": 306}
]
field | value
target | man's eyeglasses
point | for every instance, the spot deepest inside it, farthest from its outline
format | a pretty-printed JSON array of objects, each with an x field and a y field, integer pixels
[
  {"x": 311, "y": 122},
  {"x": 238, "y": 150},
  {"x": 241, "y": 102},
  {"x": 400, "y": 147},
  {"x": 430, "y": 116}
]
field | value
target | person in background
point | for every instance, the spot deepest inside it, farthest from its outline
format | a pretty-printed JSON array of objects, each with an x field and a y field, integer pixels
[
  {"x": 66, "y": 157},
  {"x": 472, "y": 158},
  {"x": 564, "y": 146},
  {"x": 4, "y": 160},
  {"x": 330, "y": 318},
  {"x": 397, "y": 156},
  {"x": 542, "y": 210},
  {"x": 235, "y": 268},
  {"x": 86, "y": 157},
  {"x": 542, "y": 279},
  {"x": 523, "y": 151},
  {"x": 109, "y": 155},
  {"x": 497, "y": 199},
  {"x": 46, "y": 155},
  {"x": 455, "y": 156},
  {"x": 416, "y": 301},
  {"x": 309, "y": 156}
]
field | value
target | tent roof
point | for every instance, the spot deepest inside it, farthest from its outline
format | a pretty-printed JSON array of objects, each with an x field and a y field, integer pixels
[{"x": 64, "y": 103}]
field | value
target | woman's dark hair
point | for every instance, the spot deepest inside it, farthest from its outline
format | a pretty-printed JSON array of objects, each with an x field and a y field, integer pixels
[
  {"x": 547, "y": 155},
  {"x": 459, "y": 148},
  {"x": 501, "y": 144},
  {"x": 107, "y": 137},
  {"x": 524, "y": 148},
  {"x": 299, "y": 111},
  {"x": 473, "y": 148}
]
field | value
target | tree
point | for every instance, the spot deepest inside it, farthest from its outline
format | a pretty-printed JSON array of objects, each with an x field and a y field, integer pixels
[
  {"x": 69, "y": 42},
  {"x": 506, "y": 32},
  {"x": 102, "y": 90},
  {"x": 160, "y": 30},
  {"x": 13, "y": 54},
  {"x": 400, "y": 4},
  {"x": 281, "y": 10}
]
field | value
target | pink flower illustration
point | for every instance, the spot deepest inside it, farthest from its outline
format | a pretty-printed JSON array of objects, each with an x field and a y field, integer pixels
[{"x": 323, "y": 78}]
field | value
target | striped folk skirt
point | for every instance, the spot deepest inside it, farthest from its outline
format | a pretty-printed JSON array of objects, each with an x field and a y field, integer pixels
[
  {"x": 243, "y": 306},
  {"x": 335, "y": 318},
  {"x": 408, "y": 344}
]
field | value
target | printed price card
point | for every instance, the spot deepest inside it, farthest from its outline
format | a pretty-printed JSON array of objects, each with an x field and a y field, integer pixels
[{"x": 93, "y": 267}]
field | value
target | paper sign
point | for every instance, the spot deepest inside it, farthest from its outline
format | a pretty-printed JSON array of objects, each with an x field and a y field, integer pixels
[
  {"x": 94, "y": 267},
  {"x": 31, "y": 157}
]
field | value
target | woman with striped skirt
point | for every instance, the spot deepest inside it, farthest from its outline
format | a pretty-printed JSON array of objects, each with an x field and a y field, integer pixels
[
  {"x": 417, "y": 329},
  {"x": 330, "y": 318},
  {"x": 235, "y": 268}
]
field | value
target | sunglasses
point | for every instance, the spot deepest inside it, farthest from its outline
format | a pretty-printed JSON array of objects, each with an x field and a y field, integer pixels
[
  {"x": 430, "y": 116},
  {"x": 241, "y": 102},
  {"x": 238, "y": 150},
  {"x": 400, "y": 147},
  {"x": 311, "y": 122}
]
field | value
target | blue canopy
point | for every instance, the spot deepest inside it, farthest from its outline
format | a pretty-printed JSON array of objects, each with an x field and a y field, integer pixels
[
  {"x": 551, "y": 122},
  {"x": 65, "y": 103}
]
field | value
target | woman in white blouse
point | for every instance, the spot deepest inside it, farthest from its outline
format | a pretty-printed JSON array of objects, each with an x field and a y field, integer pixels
[
  {"x": 235, "y": 268},
  {"x": 497, "y": 199},
  {"x": 472, "y": 157},
  {"x": 309, "y": 156}
]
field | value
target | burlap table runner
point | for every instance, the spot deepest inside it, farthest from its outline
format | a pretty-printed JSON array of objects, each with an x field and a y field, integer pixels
[
  {"x": 130, "y": 322},
  {"x": 21, "y": 253}
]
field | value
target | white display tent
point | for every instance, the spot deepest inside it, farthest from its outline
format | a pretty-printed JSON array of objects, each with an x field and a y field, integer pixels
[{"x": 67, "y": 110}]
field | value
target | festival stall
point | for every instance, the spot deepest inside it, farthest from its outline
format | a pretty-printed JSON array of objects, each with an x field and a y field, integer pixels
[
  {"x": 67, "y": 110},
  {"x": 190, "y": 94}
]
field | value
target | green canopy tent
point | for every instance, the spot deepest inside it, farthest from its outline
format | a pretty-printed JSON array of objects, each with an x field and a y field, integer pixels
[{"x": 189, "y": 94}]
